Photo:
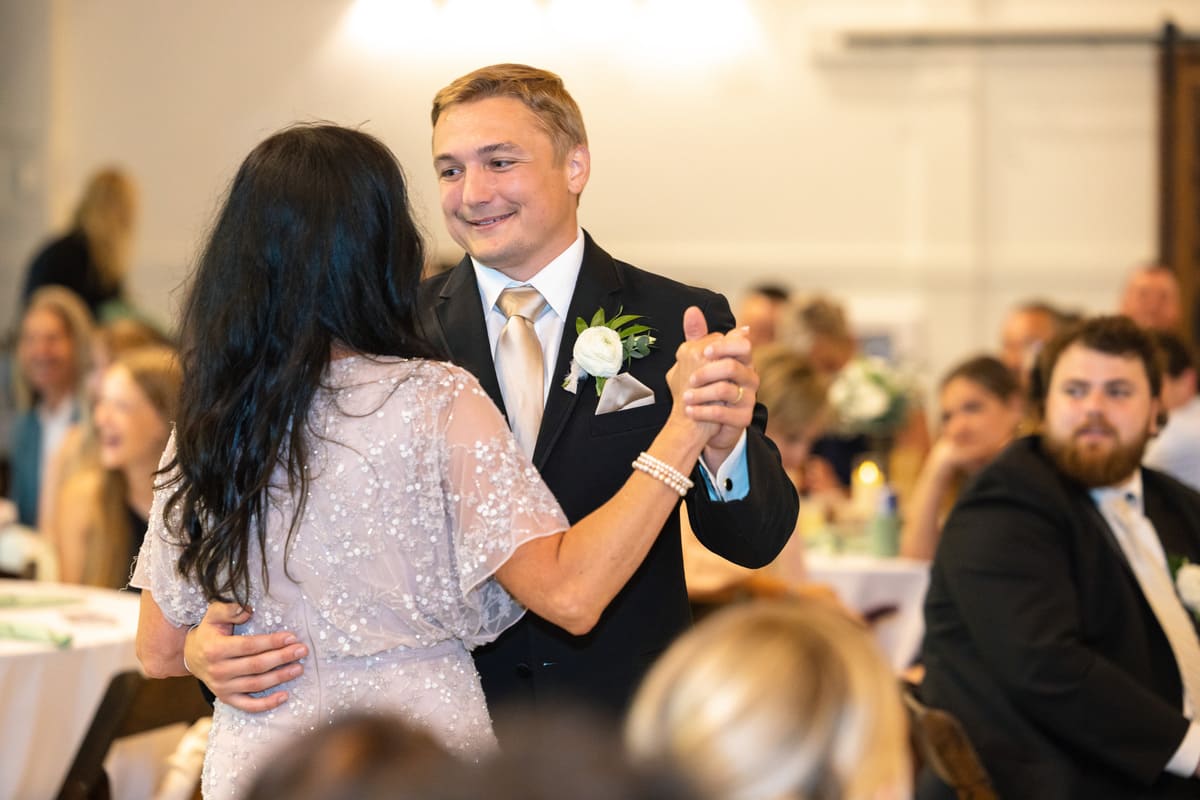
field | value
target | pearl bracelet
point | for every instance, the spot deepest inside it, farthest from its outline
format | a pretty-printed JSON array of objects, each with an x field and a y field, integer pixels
[{"x": 657, "y": 468}]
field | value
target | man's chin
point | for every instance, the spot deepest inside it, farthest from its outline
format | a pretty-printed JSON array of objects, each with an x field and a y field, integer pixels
[{"x": 1096, "y": 463}]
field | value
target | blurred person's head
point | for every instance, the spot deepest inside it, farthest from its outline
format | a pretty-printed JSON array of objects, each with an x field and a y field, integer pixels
[
  {"x": 795, "y": 397},
  {"x": 776, "y": 700},
  {"x": 1098, "y": 386},
  {"x": 760, "y": 311},
  {"x": 1026, "y": 329},
  {"x": 136, "y": 405},
  {"x": 107, "y": 214},
  {"x": 113, "y": 338},
  {"x": 53, "y": 346},
  {"x": 981, "y": 406},
  {"x": 1151, "y": 298},
  {"x": 818, "y": 328},
  {"x": 1179, "y": 369},
  {"x": 358, "y": 757}
]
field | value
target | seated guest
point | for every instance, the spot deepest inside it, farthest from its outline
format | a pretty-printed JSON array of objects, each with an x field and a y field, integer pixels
[
  {"x": 981, "y": 407},
  {"x": 92, "y": 258},
  {"x": 760, "y": 311},
  {"x": 1053, "y": 630},
  {"x": 52, "y": 360},
  {"x": 1151, "y": 298},
  {"x": 1027, "y": 327},
  {"x": 77, "y": 450},
  {"x": 775, "y": 699},
  {"x": 102, "y": 511},
  {"x": 1176, "y": 449}
]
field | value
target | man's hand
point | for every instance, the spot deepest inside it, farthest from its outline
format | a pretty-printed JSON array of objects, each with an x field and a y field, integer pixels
[
  {"x": 235, "y": 666},
  {"x": 723, "y": 391}
]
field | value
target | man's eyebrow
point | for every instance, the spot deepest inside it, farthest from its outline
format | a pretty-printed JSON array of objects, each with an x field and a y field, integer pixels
[{"x": 486, "y": 150}]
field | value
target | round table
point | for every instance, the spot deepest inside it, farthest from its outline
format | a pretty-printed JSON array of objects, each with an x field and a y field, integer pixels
[{"x": 48, "y": 694}]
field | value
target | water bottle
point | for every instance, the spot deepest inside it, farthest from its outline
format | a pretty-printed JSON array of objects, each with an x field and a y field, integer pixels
[{"x": 883, "y": 531}]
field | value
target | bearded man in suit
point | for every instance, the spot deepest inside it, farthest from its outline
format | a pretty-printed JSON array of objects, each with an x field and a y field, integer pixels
[
  {"x": 1054, "y": 630},
  {"x": 511, "y": 155}
]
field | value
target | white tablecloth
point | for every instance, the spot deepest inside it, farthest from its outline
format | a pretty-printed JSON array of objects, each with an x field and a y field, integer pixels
[
  {"x": 48, "y": 696},
  {"x": 867, "y": 583}
]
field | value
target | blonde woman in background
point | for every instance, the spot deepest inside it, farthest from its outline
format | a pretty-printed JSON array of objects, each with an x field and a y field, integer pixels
[
  {"x": 775, "y": 700},
  {"x": 53, "y": 357},
  {"x": 797, "y": 412},
  {"x": 103, "y": 510},
  {"x": 92, "y": 258}
]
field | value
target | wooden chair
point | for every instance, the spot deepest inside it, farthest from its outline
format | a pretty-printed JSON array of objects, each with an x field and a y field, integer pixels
[
  {"x": 943, "y": 746},
  {"x": 132, "y": 704}
]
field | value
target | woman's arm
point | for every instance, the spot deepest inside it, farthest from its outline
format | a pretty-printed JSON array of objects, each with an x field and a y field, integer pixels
[
  {"x": 159, "y": 642},
  {"x": 922, "y": 523}
]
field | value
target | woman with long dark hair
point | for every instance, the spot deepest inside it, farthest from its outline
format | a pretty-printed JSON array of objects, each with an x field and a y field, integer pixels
[{"x": 327, "y": 472}]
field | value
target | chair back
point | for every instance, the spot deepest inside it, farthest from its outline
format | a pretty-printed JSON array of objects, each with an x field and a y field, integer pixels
[
  {"x": 944, "y": 747},
  {"x": 132, "y": 704}
]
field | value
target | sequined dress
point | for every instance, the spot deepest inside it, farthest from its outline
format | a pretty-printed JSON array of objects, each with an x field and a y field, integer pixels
[{"x": 418, "y": 494}]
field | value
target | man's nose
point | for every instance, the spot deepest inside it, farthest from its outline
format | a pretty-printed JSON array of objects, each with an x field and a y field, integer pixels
[{"x": 476, "y": 187}]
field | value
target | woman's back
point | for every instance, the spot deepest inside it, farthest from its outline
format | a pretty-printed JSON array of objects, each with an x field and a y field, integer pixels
[{"x": 417, "y": 494}]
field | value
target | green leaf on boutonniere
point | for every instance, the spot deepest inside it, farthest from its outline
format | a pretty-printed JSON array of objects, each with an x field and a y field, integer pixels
[{"x": 1174, "y": 562}]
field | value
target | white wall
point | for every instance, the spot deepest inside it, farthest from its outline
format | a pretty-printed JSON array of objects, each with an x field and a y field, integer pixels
[{"x": 730, "y": 141}]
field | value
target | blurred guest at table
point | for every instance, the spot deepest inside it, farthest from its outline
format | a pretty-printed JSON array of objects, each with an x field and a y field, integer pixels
[
  {"x": 760, "y": 311},
  {"x": 92, "y": 258},
  {"x": 102, "y": 512},
  {"x": 1151, "y": 298},
  {"x": 819, "y": 327},
  {"x": 78, "y": 450},
  {"x": 1176, "y": 449},
  {"x": 981, "y": 407},
  {"x": 797, "y": 413},
  {"x": 776, "y": 699},
  {"x": 53, "y": 356},
  {"x": 1028, "y": 326},
  {"x": 1054, "y": 629}
]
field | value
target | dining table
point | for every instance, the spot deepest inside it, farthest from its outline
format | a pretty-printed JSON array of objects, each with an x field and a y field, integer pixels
[{"x": 59, "y": 647}]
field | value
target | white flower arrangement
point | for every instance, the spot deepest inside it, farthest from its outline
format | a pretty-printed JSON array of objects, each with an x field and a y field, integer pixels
[
  {"x": 870, "y": 396},
  {"x": 603, "y": 345}
]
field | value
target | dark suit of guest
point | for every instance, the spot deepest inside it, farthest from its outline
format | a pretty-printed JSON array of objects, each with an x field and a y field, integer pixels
[
  {"x": 585, "y": 458},
  {"x": 1040, "y": 639}
]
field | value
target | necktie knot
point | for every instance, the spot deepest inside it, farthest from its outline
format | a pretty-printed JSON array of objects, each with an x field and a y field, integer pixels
[{"x": 521, "y": 301}]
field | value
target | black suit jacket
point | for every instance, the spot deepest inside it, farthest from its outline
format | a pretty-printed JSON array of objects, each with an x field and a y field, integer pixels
[
  {"x": 585, "y": 458},
  {"x": 1039, "y": 639}
]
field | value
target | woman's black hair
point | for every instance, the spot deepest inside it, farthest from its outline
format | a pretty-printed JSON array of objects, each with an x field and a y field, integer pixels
[{"x": 314, "y": 247}]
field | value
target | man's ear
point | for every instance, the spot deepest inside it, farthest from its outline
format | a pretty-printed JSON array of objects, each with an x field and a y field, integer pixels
[
  {"x": 1160, "y": 416},
  {"x": 579, "y": 168}
]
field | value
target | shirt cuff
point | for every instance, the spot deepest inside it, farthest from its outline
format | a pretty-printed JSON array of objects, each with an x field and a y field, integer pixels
[
  {"x": 732, "y": 481},
  {"x": 1187, "y": 757}
]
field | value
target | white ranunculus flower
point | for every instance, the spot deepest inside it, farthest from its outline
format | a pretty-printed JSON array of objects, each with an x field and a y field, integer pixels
[
  {"x": 1187, "y": 582},
  {"x": 599, "y": 351},
  {"x": 869, "y": 402}
]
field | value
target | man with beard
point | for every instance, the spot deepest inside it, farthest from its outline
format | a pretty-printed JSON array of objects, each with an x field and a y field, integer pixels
[{"x": 1054, "y": 631}]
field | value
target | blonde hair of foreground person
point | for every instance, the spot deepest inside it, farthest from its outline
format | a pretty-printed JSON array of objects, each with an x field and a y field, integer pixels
[{"x": 779, "y": 699}]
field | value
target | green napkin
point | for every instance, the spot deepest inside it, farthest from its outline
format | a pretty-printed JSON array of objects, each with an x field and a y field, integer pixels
[
  {"x": 35, "y": 601},
  {"x": 32, "y": 632}
]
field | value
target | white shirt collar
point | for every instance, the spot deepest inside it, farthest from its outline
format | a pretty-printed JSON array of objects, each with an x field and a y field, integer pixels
[
  {"x": 556, "y": 280},
  {"x": 1131, "y": 489}
]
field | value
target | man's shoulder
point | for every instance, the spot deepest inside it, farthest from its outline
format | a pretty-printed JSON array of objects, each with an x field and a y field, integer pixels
[
  {"x": 641, "y": 279},
  {"x": 1022, "y": 476}
]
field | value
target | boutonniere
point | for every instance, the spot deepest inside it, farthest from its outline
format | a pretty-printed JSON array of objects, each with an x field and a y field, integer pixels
[
  {"x": 603, "y": 345},
  {"x": 1187, "y": 583}
]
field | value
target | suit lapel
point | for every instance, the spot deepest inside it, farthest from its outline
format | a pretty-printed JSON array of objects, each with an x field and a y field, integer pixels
[
  {"x": 597, "y": 286},
  {"x": 461, "y": 317}
]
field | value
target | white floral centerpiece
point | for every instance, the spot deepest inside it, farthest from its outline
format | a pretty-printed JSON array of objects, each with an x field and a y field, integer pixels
[
  {"x": 870, "y": 397},
  {"x": 604, "y": 345}
]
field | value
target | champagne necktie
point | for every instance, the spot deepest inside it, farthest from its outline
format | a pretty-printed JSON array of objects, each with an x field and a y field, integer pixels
[
  {"x": 519, "y": 363},
  {"x": 1159, "y": 589}
]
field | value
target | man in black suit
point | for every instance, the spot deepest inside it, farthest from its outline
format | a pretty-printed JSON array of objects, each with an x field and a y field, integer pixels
[
  {"x": 510, "y": 151},
  {"x": 511, "y": 157},
  {"x": 1054, "y": 630}
]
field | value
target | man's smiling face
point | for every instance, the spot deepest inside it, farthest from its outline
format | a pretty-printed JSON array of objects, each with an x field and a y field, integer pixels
[{"x": 508, "y": 199}]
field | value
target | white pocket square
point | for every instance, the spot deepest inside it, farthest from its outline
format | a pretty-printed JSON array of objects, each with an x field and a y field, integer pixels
[{"x": 624, "y": 391}]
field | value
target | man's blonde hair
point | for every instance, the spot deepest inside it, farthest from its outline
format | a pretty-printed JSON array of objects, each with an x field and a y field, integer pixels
[{"x": 541, "y": 91}]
